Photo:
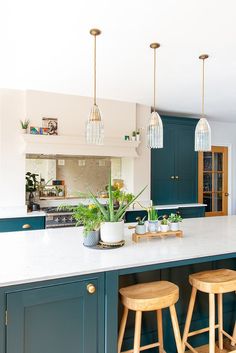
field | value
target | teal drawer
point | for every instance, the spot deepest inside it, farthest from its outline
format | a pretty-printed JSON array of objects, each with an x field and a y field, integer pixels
[
  {"x": 192, "y": 212},
  {"x": 19, "y": 224}
]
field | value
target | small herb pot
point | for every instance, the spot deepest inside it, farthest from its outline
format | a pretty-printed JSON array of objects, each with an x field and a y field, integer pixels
[
  {"x": 91, "y": 238},
  {"x": 174, "y": 226},
  {"x": 164, "y": 227},
  {"x": 153, "y": 226},
  {"x": 140, "y": 229}
]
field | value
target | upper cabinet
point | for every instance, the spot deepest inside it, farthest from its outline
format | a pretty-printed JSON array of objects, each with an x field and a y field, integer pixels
[{"x": 174, "y": 174}]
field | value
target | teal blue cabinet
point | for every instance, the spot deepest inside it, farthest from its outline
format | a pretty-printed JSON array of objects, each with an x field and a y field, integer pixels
[
  {"x": 25, "y": 223},
  {"x": 56, "y": 319},
  {"x": 174, "y": 168}
]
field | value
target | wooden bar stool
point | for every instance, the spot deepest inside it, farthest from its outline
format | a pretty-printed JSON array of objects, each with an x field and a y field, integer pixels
[
  {"x": 153, "y": 296},
  {"x": 211, "y": 282}
]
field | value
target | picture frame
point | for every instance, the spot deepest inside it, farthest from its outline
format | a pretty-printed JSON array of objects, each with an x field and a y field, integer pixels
[{"x": 51, "y": 124}]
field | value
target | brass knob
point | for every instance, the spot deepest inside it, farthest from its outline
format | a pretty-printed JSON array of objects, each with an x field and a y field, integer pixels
[
  {"x": 226, "y": 194},
  {"x": 176, "y": 177},
  {"x": 26, "y": 226},
  {"x": 91, "y": 288},
  {"x": 172, "y": 177}
]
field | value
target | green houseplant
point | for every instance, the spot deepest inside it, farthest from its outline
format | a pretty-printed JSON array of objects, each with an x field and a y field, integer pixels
[
  {"x": 174, "y": 220},
  {"x": 140, "y": 226},
  {"x": 152, "y": 219},
  {"x": 31, "y": 185},
  {"x": 112, "y": 227},
  {"x": 88, "y": 216},
  {"x": 164, "y": 224},
  {"x": 24, "y": 125}
]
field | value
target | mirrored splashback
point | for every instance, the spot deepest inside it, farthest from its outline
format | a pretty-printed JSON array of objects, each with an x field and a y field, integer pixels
[{"x": 72, "y": 176}]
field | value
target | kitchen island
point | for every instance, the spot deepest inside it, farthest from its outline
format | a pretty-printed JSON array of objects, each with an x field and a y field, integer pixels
[{"x": 44, "y": 278}]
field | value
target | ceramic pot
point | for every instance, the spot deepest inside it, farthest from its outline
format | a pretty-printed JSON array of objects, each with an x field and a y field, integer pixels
[
  {"x": 91, "y": 238},
  {"x": 112, "y": 232},
  {"x": 174, "y": 226},
  {"x": 153, "y": 226},
  {"x": 164, "y": 227},
  {"x": 24, "y": 131},
  {"x": 140, "y": 229}
]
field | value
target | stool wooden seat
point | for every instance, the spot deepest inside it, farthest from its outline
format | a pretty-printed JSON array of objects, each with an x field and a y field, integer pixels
[
  {"x": 212, "y": 282},
  {"x": 152, "y": 296}
]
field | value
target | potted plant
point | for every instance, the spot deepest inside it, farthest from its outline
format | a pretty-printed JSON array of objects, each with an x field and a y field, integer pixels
[
  {"x": 31, "y": 185},
  {"x": 140, "y": 226},
  {"x": 138, "y": 135},
  {"x": 133, "y": 137},
  {"x": 24, "y": 125},
  {"x": 164, "y": 224},
  {"x": 152, "y": 219},
  {"x": 174, "y": 220},
  {"x": 112, "y": 227}
]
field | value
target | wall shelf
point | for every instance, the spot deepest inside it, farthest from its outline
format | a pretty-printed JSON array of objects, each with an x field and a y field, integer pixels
[{"x": 77, "y": 146}]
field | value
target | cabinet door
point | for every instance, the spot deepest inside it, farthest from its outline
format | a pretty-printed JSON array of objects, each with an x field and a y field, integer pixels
[
  {"x": 162, "y": 169},
  {"x": 185, "y": 165},
  {"x": 56, "y": 319},
  {"x": 17, "y": 224}
]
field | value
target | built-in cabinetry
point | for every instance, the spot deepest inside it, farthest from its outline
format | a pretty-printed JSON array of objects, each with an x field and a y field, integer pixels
[
  {"x": 67, "y": 316},
  {"x": 22, "y": 223},
  {"x": 174, "y": 168}
]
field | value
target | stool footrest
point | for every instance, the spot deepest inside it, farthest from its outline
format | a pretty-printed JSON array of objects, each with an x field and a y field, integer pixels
[
  {"x": 190, "y": 347},
  {"x": 228, "y": 336},
  {"x": 197, "y": 332},
  {"x": 148, "y": 346}
]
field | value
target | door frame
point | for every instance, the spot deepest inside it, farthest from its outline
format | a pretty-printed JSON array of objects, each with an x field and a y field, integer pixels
[{"x": 227, "y": 181}]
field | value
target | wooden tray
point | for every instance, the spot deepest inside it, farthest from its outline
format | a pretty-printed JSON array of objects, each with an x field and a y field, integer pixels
[{"x": 136, "y": 237}]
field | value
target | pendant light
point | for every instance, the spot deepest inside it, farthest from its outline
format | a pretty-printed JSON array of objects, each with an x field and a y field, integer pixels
[
  {"x": 94, "y": 127},
  {"x": 203, "y": 129},
  {"x": 155, "y": 126}
]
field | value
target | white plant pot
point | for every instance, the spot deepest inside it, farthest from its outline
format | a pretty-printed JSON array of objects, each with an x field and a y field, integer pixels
[
  {"x": 24, "y": 131},
  {"x": 140, "y": 229},
  {"x": 174, "y": 226},
  {"x": 112, "y": 232},
  {"x": 153, "y": 226},
  {"x": 164, "y": 227}
]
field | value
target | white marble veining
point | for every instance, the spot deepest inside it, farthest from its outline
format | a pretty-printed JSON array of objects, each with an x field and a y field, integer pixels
[
  {"x": 54, "y": 253},
  {"x": 20, "y": 214}
]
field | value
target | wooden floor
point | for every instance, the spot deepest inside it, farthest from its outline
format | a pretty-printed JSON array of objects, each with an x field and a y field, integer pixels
[{"x": 227, "y": 345}]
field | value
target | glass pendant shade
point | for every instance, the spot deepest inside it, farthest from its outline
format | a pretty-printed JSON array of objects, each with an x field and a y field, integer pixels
[
  {"x": 203, "y": 136},
  {"x": 94, "y": 128},
  {"x": 155, "y": 131}
]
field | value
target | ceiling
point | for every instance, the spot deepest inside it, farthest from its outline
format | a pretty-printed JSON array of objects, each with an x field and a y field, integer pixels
[{"x": 46, "y": 45}]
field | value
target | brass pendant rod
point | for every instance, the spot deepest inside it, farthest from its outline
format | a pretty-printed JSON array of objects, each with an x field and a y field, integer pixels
[
  {"x": 203, "y": 86},
  {"x": 154, "y": 83},
  {"x": 95, "y": 73}
]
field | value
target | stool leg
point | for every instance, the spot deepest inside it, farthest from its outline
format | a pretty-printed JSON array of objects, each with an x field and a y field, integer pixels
[
  {"x": 220, "y": 320},
  {"x": 234, "y": 335},
  {"x": 176, "y": 329},
  {"x": 212, "y": 323},
  {"x": 189, "y": 316},
  {"x": 160, "y": 330},
  {"x": 137, "y": 331},
  {"x": 122, "y": 328}
]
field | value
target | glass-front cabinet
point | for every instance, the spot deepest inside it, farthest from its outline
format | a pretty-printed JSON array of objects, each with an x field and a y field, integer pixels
[{"x": 213, "y": 180}]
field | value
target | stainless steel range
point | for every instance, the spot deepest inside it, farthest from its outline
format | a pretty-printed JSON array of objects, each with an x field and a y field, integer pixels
[{"x": 58, "y": 219}]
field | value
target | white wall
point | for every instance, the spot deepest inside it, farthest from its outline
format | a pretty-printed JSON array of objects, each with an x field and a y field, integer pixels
[{"x": 224, "y": 134}]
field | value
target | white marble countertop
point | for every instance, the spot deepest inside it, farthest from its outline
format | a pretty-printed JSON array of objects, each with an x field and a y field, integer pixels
[
  {"x": 55, "y": 253},
  {"x": 137, "y": 207},
  {"x": 20, "y": 214}
]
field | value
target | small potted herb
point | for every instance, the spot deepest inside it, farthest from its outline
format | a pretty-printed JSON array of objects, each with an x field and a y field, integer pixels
[
  {"x": 174, "y": 220},
  {"x": 138, "y": 135},
  {"x": 164, "y": 224},
  {"x": 140, "y": 226},
  {"x": 24, "y": 126},
  {"x": 152, "y": 219},
  {"x": 133, "y": 137}
]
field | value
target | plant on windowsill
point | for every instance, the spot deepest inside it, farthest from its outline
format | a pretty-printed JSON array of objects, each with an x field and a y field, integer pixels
[
  {"x": 174, "y": 220},
  {"x": 24, "y": 126},
  {"x": 31, "y": 185},
  {"x": 112, "y": 227}
]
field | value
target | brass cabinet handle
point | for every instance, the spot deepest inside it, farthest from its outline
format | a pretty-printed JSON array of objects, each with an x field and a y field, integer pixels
[
  {"x": 172, "y": 177},
  {"x": 177, "y": 177},
  {"x": 26, "y": 226},
  {"x": 91, "y": 288},
  {"x": 226, "y": 194}
]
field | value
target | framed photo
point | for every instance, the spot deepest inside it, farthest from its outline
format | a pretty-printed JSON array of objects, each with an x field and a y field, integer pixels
[{"x": 51, "y": 125}]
